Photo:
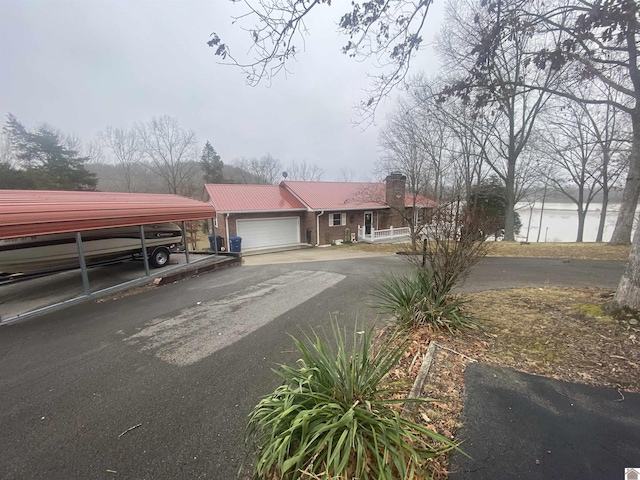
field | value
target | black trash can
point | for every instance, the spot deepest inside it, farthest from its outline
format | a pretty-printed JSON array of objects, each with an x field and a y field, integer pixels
[
  {"x": 220, "y": 243},
  {"x": 235, "y": 244}
]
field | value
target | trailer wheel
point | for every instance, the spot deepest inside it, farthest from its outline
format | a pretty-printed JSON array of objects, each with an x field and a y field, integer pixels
[{"x": 159, "y": 257}]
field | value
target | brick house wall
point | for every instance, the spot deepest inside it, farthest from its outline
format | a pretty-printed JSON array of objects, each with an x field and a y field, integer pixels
[
  {"x": 308, "y": 224},
  {"x": 382, "y": 219},
  {"x": 353, "y": 219}
]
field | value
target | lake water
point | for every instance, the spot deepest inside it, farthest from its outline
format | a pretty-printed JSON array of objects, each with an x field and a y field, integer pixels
[{"x": 560, "y": 222}]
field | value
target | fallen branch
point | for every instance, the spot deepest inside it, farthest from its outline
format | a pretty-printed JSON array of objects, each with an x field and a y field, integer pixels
[
  {"x": 129, "y": 429},
  {"x": 409, "y": 407},
  {"x": 457, "y": 353}
]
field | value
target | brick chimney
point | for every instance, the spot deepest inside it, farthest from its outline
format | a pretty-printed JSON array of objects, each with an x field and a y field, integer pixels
[{"x": 394, "y": 197}]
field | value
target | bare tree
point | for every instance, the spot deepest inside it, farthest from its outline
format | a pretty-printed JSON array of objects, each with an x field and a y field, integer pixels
[
  {"x": 467, "y": 142},
  {"x": 126, "y": 147},
  {"x": 346, "y": 174},
  {"x": 402, "y": 144},
  {"x": 93, "y": 150},
  {"x": 7, "y": 156},
  {"x": 613, "y": 137},
  {"x": 388, "y": 32},
  {"x": 305, "y": 171},
  {"x": 266, "y": 170},
  {"x": 576, "y": 166},
  {"x": 514, "y": 108},
  {"x": 593, "y": 42},
  {"x": 172, "y": 152}
]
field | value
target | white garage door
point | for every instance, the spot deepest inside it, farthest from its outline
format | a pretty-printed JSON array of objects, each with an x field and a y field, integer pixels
[{"x": 268, "y": 232}]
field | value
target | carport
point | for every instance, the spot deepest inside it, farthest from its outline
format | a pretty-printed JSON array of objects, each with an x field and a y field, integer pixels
[{"x": 28, "y": 213}]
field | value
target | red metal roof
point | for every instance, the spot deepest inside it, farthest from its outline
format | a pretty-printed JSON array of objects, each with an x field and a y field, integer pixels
[
  {"x": 421, "y": 201},
  {"x": 338, "y": 195},
  {"x": 40, "y": 212},
  {"x": 251, "y": 198}
]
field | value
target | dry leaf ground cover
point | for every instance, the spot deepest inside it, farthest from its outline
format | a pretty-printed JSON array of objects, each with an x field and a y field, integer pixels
[{"x": 562, "y": 333}]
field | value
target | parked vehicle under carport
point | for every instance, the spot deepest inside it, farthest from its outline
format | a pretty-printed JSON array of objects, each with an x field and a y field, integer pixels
[
  {"x": 57, "y": 252},
  {"x": 48, "y": 231}
]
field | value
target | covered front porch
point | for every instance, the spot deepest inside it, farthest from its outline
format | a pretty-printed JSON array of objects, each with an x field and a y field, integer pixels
[{"x": 388, "y": 235}]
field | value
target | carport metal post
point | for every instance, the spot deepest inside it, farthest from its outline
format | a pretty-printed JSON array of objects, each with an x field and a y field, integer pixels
[
  {"x": 83, "y": 264},
  {"x": 145, "y": 257},
  {"x": 185, "y": 240}
]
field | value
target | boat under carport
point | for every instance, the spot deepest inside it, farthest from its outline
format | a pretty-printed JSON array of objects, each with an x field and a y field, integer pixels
[{"x": 29, "y": 213}]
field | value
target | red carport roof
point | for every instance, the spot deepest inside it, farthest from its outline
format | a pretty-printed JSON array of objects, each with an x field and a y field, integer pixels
[
  {"x": 40, "y": 212},
  {"x": 228, "y": 198}
]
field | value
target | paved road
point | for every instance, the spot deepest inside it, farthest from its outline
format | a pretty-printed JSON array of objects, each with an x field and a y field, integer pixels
[{"x": 186, "y": 362}]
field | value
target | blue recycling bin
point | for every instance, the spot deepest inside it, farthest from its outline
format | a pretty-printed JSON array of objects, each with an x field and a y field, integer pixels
[
  {"x": 216, "y": 243},
  {"x": 235, "y": 244}
]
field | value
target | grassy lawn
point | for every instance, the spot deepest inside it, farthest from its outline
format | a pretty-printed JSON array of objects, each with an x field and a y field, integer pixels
[{"x": 591, "y": 251}]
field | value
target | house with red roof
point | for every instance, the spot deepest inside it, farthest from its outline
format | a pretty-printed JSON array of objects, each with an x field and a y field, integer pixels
[{"x": 316, "y": 213}]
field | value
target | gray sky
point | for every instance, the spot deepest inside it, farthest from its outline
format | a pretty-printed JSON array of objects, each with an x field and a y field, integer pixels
[{"x": 83, "y": 65}]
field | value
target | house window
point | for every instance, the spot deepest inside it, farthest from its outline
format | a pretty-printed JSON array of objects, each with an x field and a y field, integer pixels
[{"x": 337, "y": 219}]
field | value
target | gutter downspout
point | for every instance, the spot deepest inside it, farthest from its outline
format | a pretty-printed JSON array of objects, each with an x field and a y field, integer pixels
[
  {"x": 318, "y": 227},
  {"x": 226, "y": 224}
]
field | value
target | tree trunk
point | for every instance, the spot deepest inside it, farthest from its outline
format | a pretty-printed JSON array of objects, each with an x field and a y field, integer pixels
[
  {"x": 628, "y": 292},
  {"x": 581, "y": 215},
  {"x": 510, "y": 197},
  {"x": 544, "y": 198},
  {"x": 603, "y": 214},
  {"x": 624, "y": 223},
  {"x": 605, "y": 193}
]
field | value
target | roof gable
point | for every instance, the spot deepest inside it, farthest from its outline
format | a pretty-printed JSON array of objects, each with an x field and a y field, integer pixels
[{"x": 251, "y": 198}]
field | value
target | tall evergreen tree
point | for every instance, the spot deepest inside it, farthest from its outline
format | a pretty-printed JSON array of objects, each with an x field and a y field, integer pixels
[
  {"x": 211, "y": 165},
  {"x": 489, "y": 197},
  {"x": 43, "y": 162}
]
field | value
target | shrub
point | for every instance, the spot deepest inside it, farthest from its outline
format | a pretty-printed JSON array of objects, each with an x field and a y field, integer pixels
[
  {"x": 417, "y": 301},
  {"x": 332, "y": 419}
]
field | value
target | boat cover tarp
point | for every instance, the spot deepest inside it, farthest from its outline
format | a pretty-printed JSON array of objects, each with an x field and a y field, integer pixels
[{"x": 41, "y": 212}]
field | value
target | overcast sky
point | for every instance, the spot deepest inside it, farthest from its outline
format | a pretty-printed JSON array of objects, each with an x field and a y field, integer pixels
[{"x": 83, "y": 65}]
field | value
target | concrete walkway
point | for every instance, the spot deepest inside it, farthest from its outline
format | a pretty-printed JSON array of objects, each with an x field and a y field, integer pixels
[{"x": 311, "y": 254}]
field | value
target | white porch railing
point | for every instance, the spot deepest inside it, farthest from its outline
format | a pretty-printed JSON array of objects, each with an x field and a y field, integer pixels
[{"x": 386, "y": 235}]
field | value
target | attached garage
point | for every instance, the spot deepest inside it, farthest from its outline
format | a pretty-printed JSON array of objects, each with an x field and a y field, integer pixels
[
  {"x": 262, "y": 215},
  {"x": 268, "y": 232}
]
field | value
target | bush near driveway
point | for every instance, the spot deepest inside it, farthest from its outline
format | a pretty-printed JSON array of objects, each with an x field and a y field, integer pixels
[
  {"x": 416, "y": 302},
  {"x": 331, "y": 419}
]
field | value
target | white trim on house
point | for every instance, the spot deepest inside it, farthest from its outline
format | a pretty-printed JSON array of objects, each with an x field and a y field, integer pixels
[{"x": 318, "y": 227}]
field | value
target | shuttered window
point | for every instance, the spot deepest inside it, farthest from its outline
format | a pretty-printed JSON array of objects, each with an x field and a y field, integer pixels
[{"x": 337, "y": 219}]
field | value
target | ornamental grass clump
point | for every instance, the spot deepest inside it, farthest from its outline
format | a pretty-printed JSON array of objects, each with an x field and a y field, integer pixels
[
  {"x": 332, "y": 419},
  {"x": 416, "y": 302}
]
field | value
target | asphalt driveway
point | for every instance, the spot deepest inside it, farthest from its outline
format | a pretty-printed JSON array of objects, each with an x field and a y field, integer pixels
[
  {"x": 159, "y": 384},
  {"x": 517, "y": 425}
]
